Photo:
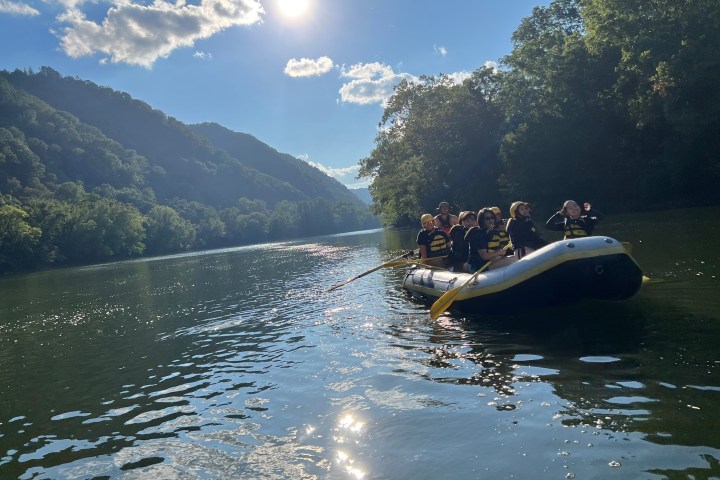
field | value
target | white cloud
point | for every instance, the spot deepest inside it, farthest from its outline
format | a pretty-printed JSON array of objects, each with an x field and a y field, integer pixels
[
  {"x": 459, "y": 77},
  {"x": 367, "y": 70},
  {"x": 441, "y": 50},
  {"x": 140, "y": 34},
  {"x": 491, "y": 65},
  {"x": 202, "y": 55},
  {"x": 371, "y": 83},
  {"x": 337, "y": 173},
  {"x": 333, "y": 171},
  {"x": 307, "y": 67},
  {"x": 359, "y": 184},
  {"x": 16, "y": 8}
]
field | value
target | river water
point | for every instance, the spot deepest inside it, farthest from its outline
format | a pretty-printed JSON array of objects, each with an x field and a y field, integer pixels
[{"x": 237, "y": 363}]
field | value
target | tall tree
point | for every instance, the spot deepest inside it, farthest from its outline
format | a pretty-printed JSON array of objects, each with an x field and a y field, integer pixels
[{"x": 438, "y": 141}]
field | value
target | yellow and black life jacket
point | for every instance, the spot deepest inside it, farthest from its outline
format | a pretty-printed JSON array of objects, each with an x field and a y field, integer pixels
[
  {"x": 574, "y": 228},
  {"x": 438, "y": 244},
  {"x": 494, "y": 241},
  {"x": 504, "y": 238}
]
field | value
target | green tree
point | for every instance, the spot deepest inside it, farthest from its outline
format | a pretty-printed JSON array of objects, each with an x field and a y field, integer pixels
[
  {"x": 166, "y": 231},
  {"x": 438, "y": 140},
  {"x": 209, "y": 227},
  {"x": 284, "y": 221},
  {"x": 18, "y": 239},
  {"x": 556, "y": 139},
  {"x": 666, "y": 65}
]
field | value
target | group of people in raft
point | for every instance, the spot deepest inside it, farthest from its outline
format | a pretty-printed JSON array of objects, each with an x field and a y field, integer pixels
[{"x": 468, "y": 241}]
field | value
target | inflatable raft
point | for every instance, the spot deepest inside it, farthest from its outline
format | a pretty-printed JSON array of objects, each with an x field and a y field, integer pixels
[{"x": 562, "y": 272}]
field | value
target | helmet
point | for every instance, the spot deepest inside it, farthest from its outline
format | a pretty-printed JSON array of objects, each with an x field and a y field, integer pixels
[
  {"x": 443, "y": 204},
  {"x": 495, "y": 210},
  {"x": 514, "y": 207},
  {"x": 426, "y": 218},
  {"x": 464, "y": 214}
]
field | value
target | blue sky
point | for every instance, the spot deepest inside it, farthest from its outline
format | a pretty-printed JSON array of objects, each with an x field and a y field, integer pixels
[{"x": 307, "y": 77}]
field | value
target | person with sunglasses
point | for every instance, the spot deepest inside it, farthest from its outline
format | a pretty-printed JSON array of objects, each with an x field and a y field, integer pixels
[{"x": 484, "y": 242}]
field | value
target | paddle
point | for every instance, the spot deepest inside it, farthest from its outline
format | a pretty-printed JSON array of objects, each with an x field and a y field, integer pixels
[
  {"x": 447, "y": 298},
  {"x": 389, "y": 263},
  {"x": 416, "y": 261}
]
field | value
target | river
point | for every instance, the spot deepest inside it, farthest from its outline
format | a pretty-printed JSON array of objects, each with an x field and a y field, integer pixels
[{"x": 237, "y": 363}]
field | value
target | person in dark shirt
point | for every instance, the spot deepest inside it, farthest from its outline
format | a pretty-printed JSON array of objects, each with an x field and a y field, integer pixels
[
  {"x": 484, "y": 242},
  {"x": 433, "y": 243},
  {"x": 459, "y": 250},
  {"x": 573, "y": 221},
  {"x": 445, "y": 220},
  {"x": 523, "y": 234}
]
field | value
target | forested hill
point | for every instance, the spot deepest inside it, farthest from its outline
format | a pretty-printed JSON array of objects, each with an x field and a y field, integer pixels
[
  {"x": 182, "y": 163},
  {"x": 260, "y": 156},
  {"x": 90, "y": 174}
]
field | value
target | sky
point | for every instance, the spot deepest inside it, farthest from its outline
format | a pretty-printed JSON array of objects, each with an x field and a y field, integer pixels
[{"x": 307, "y": 77}]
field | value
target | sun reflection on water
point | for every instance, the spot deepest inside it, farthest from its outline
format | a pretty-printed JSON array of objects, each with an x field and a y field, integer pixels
[{"x": 348, "y": 425}]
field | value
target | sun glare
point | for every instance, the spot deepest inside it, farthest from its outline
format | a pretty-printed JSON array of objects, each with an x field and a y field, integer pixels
[{"x": 293, "y": 8}]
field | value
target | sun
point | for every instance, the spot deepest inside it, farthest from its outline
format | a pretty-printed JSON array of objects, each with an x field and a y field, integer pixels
[{"x": 293, "y": 8}]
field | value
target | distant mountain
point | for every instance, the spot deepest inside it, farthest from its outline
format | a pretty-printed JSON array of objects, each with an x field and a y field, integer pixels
[
  {"x": 363, "y": 194},
  {"x": 181, "y": 162},
  {"x": 90, "y": 174}
]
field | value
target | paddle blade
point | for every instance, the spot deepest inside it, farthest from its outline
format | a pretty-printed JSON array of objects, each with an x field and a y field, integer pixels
[{"x": 443, "y": 303}]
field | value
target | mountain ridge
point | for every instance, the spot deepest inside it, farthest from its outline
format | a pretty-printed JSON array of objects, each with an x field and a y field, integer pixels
[
  {"x": 90, "y": 174},
  {"x": 168, "y": 143}
]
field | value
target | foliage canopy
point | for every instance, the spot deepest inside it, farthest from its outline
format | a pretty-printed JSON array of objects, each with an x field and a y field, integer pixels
[{"x": 604, "y": 100}]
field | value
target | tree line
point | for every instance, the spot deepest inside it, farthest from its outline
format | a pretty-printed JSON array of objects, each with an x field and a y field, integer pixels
[
  {"x": 612, "y": 101},
  {"x": 73, "y": 227}
]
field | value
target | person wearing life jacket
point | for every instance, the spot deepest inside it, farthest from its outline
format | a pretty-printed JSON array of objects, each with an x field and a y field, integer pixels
[
  {"x": 459, "y": 250},
  {"x": 573, "y": 221},
  {"x": 445, "y": 220},
  {"x": 433, "y": 243},
  {"x": 522, "y": 231},
  {"x": 484, "y": 242},
  {"x": 500, "y": 227}
]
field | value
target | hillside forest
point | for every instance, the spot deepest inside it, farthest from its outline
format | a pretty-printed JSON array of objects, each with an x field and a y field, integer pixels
[
  {"x": 89, "y": 174},
  {"x": 615, "y": 102}
]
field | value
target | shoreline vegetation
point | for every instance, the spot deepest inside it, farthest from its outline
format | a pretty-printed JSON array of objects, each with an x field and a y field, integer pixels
[{"x": 606, "y": 101}]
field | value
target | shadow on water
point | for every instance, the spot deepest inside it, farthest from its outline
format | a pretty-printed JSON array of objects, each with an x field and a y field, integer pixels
[{"x": 625, "y": 367}]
